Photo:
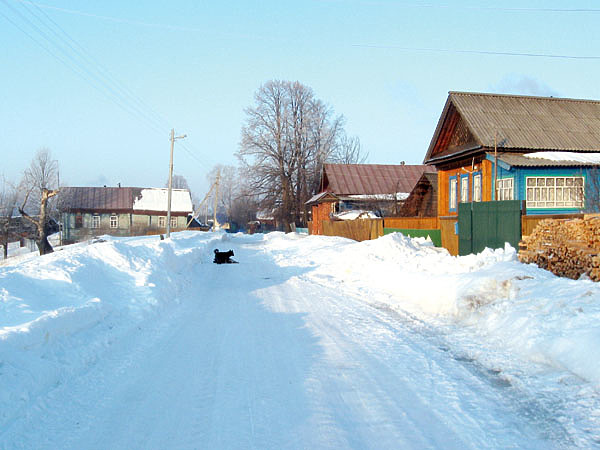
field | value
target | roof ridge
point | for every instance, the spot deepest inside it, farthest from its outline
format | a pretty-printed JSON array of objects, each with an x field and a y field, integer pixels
[{"x": 537, "y": 97}]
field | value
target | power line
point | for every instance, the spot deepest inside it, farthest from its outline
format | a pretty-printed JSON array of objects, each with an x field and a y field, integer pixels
[
  {"x": 53, "y": 39},
  {"x": 63, "y": 55},
  {"x": 477, "y": 52}
]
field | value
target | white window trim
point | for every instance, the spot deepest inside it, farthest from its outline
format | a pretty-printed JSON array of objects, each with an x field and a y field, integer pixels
[
  {"x": 453, "y": 191},
  {"x": 464, "y": 188},
  {"x": 505, "y": 189},
  {"x": 173, "y": 222},
  {"x": 162, "y": 222},
  {"x": 540, "y": 194},
  {"x": 477, "y": 187},
  {"x": 95, "y": 221},
  {"x": 114, "y": 221}
]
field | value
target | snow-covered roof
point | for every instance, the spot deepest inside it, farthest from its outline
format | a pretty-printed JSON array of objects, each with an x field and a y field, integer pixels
[
  {"x": 548, "y": 159},
  {"x": 356, "y": 214},
  {"x": 592, "y": 158},
  {"x": 378, "y": 197},
  {"x": 127, "y": 199},
  {"x": 156, "y": 199}
]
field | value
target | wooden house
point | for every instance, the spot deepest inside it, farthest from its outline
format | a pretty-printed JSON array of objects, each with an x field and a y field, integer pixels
[
  {"x": 87, "y": 212},
  {"x": 543, "y": 150},
  {"x": 376, "y": 188}
]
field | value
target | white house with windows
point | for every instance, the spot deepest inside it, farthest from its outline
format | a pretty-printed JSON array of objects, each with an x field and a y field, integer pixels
[{"x": 87, "y": 212}]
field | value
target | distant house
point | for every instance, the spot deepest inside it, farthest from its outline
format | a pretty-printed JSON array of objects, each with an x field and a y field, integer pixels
[
  {"x": 543, "y": 150},
  {"x": 120, "y": 211},
  {"x": 376, "y": 188}
]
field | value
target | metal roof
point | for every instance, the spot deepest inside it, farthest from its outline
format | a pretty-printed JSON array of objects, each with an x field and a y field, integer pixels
[
  {"x": 98, "y": 198},
  {"x": 535, "y": 123},
  {"x": 349, "y": 179},
  {"x": 122, "y": 199},
  {"x": 521, "y": 160}
]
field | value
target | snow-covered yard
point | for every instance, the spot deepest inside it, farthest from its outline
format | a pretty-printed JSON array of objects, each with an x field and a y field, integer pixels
[{"x": 309, "y": 342}]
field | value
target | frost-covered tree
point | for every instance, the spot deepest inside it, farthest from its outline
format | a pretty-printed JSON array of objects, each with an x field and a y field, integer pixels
[
  {"x": 287, "y": 136},
  {"x": 40, "y": 182}
]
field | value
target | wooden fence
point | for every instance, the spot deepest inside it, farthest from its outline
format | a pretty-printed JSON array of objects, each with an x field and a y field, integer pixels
[
  {"x": 449, "y": 234},
  {"x": 412, "y": 223},
  {"x": 359, "y": 229}
]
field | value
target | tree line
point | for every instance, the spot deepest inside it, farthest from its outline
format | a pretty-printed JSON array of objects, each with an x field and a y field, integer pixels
[{"x": 287, "y": 136}]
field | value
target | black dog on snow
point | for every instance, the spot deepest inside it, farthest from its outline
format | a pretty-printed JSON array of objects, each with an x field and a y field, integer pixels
[{"x": 224, "y": 257}]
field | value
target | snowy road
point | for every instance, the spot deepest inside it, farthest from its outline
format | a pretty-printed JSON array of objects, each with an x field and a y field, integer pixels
[{"x": 268, "y": 354}]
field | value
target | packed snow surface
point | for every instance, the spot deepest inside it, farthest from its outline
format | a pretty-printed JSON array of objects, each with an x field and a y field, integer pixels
[{"x": 309, "y": 342}]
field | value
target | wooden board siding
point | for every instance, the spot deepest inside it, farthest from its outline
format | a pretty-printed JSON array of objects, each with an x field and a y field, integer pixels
[
  {"x": 487, "y": 174},
  {"x": 359, "y": 229},
  {"x": 320, "y": 212},
  {"x": 449, "y": 237},
  {"x": 421, "y": 223}
]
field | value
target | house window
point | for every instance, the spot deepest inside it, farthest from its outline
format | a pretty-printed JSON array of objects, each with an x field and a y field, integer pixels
[
  {"x": 114, "y": 221},
  {"x": 555, "y": 192},
  {"x": 173, "y": 222},
  {"x": 78, "y": 221},
  {"x": 452, "y": 193},
  {"x": 95, "y": 221},
  {"x": 504, "y": 189},
  {"x": 162, "y": 222},
  {"x": 464, "y": 188},
  {"x": 477, "y": 187}
]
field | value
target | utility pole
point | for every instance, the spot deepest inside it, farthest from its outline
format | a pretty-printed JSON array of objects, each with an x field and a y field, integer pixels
[
  {"x": 496, "y": 166},
  {"x": 173, "y": 138},
  {"x": 215, "y": 223}
]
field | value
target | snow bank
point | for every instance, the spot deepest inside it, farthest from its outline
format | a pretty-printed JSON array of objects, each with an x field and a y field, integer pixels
[
  {"x": 59, "y": 312},
  {"x": 512, "y": 308}
]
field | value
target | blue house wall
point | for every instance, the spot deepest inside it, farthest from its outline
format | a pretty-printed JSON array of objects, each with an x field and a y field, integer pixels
[{"x": 520, "y": 174}]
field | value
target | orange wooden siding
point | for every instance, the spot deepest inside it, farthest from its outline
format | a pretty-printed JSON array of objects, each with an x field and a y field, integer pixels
[{"x": 485, "y": 167}]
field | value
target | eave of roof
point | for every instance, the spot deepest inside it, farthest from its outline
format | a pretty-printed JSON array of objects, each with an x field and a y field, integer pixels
[{"x": 522, "y": 160}]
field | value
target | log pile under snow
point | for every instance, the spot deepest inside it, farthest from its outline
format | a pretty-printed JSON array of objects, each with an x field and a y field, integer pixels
[{"x": 566, "y": 247}]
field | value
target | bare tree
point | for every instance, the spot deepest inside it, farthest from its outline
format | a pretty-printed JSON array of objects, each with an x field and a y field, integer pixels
[
  {"x": 41, "y": 184},
  {"x": 8, "y": 206},
  {"x": 178, "y": 182},
  {"x": 228, "y": 187},
  {"x": 348, "y": 151},
  {"x": 287, "y": 136}
]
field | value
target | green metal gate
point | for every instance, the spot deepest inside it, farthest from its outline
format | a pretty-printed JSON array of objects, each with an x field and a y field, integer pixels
[{"x": 488, "y": 224}]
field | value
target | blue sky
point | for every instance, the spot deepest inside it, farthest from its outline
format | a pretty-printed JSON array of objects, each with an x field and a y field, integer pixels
[{"x": 387, "y": 66}]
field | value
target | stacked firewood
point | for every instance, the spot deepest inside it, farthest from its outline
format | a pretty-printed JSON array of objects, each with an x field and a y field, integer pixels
[{"x": 566, "y": 247}]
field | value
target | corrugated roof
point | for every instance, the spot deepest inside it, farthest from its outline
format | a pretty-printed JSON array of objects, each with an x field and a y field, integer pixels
[
  {"x": 521, "y": 160},
  {"x": 535, "y": 123},
  {"x": 98, "y": 198},
  {"x": 348, "y": 179},
  {"x": 113, "y": 199}
]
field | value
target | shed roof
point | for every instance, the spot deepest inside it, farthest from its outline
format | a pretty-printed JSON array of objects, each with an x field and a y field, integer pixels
[
  {"x": 353, "y": 179},
  {"x": 113, "y": 199},
  {"x": 549, "y": 159},
  {"x": 526, "y": 122}
]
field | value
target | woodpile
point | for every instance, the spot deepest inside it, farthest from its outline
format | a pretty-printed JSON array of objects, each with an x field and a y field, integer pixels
[{"x": 566, "y": 247}]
